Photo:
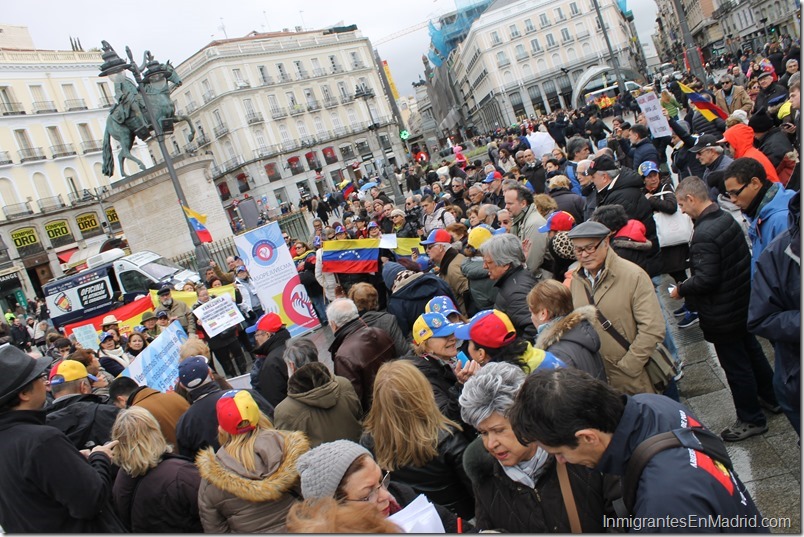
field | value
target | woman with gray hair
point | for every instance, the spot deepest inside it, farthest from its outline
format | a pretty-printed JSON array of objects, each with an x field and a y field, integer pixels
[
  {"x": 516, "y": 486},
  {"x": 323, "y": 406},
  {"x": 504, "y": 258}
]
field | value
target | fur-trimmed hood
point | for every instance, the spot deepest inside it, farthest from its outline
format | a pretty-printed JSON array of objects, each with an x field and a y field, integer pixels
[
  {"x": 553, "y": 333},
  {"x": 276, "y": 455}
]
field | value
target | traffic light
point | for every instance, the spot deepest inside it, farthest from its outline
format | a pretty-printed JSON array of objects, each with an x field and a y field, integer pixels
[{"x": 404, "y": 135}]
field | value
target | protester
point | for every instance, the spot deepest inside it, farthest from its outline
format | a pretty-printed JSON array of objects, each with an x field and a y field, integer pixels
[
  {"x": 481, "y": 287},
  {"x": 111, "y": 355},
  {"x": 166, "y": 408},
  {"x": 176, "y": 309},
  {"x": 224, "y": 346},
  {"x": 269, "y": 368},
  {"x": 449, "y": 260},
  {"x": 366, "y": 299},
  {"x": 525, "y": 226},
  {"x": 89, "y": 359},
  {"x": 410, "y": 291}
]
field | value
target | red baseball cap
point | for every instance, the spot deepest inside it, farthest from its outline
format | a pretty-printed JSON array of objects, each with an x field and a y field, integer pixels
[
  {"x": 558, "y": 221},
  {"x": 270, "y": 322},
  {"x": 489, "y": 328},
  {"x": 438, "y": 235}
]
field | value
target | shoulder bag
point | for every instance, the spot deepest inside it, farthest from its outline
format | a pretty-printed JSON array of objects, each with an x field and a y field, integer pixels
[{"x": 672, "y": 229}]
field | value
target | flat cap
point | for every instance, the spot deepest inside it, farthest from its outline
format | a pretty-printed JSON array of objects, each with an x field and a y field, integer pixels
[{"x": 590, "y": 230}]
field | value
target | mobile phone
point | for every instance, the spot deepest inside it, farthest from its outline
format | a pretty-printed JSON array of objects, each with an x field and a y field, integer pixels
[
  {"x": 463, "y": 359},
  {"x": 414, "y": 250}
]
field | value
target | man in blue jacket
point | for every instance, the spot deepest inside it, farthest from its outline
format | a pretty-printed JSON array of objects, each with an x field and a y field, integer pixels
[
  {"x": 774, "y": 311},
  {"x": 581, "y": 420},
  {"x": 763, "y": 202}
]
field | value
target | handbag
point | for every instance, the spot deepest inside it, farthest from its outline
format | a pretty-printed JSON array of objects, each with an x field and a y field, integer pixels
[
  {"x": 672, "y": 229},
  {"x": 661, "y": 368},
  {"x": 568, "y": 497}
]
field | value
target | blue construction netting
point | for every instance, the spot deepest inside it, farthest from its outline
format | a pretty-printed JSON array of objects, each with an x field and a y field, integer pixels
[{"x": 453, "y": 28}]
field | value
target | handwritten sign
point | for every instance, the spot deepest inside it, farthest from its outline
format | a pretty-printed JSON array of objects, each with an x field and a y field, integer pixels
[
  {"x": 87, "y": 336},
  {"x": 652, "y": 108},
  {"x": 157, "y": 366},
  {"x": 218, "y": 315}
]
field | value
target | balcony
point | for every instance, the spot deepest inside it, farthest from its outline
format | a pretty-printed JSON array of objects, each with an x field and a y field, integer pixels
[
  {"x": 202, "y": 140},
  {"x": 307, "y": 141},
  {"x": 106, "y": 102},
  {"x": 17, "y": 209},
  {"x": 242, "y": 84},
  {"x": 537, "y": 51},
  {"x": 232, "y": 164},
  {"x": 191, "y": 107},
  {"x": 220, "y": 130},
  {"x": 91, "y": 146},
  {"x": 503, "y": 62},
  {"x": 296, "y": 109},
  {"x": 544, "y": 25},
  {"x": 568, "y": 40},
  {"x": 582, "y": 35},
  {"x": 75, "y": 104},
  {"x": 253, "y": 118},
  {"x": 44, "y": 107},
  {"x": 62, "y": 150},
  {"x": 11, "y": 109},
  {"x": 515, "y": 35},
  {"x": 190, "y": 148},
  {"x": 313, "y": 105},
  {"x": 552, "y": 46},
  {"x": 266, "y": 151},
  {"x": 277, "y": 113},
  {"x": 496, "y": 42},
  {"x": 358, "y": 65},
  {"x": 341, "y": 131},
  {"x": 284, "y": 77},
  {"x": 348, "y": 98},
  {"x": 208, "y": 96},
  {"x": 330, "y": 102},
  {"x": 319, "y": 72},
  {"x": 85, "y": 196},
  {"x": 574, "y": 14},
  {"x": 290, "y": 145},
  {"x": 5, "y": 158},
  {"x": 267, "y": 80},
  {"x": 51, "y": 203},
  {"x": 530, "y": 30},
  {"x": 31, "y": 153},
  {"x": 302, "y": 75},
  {"x": 522, "y": 57}
]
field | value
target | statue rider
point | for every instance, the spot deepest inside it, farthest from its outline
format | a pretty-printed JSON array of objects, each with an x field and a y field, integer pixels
[{"x": 129, "y": 109}]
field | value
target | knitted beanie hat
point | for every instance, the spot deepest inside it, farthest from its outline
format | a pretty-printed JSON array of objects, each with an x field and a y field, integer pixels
[
  {"x": 404, "y": 278},
  {"x": 321, "y": 469}
]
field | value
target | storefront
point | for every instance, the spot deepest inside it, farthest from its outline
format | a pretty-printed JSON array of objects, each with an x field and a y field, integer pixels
[{"x": 11, "y": 290}]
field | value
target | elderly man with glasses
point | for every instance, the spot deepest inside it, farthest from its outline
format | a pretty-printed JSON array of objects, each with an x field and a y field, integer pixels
[
  {"x": 623, "y": 293},
  {"x": 731, "y": 97}
]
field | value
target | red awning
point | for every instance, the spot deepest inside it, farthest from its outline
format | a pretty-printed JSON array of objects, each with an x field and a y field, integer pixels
[{"x": 65, "y": 256}]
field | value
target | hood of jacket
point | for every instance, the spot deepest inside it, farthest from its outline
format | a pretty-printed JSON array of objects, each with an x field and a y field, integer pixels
[
  {"x": 389, "y": 272},
  {"x": 740, "y": 137},
  {"x": 628, "y": 178},
  {"x": 425, "y": 286},
  {"x": 570, "y": 328},
  {"x": 313, "y": 385},
  {"x": 276, "y": 453},
  {"x": 779, "y": 201},
  {"x": 273, "y": 342},
  {"x": 633, "y": 230}
]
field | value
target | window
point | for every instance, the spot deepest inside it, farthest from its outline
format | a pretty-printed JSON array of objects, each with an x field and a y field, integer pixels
[
  {"x": 529, "y": 26},
  {"x": 333, "y": 62},
  {"x": 291, "y": 99},
  {"x": 559, "y": 14},
  {"x": 342, "y": 89},
  {"x": 543, "y": 20},
  {"x": 248, "y": 107},
  {"x": 565, "y": 35},
  {"x": 38, "y": 93},
  {"x": 103, "y": 91},
  {"x": 21, "y": 136},
  {"x": 319, "y": 125},
  {"x": 502, "y": 59},
  {"x": 302, "y": 128},
  {"x": 336, "y": 122},
  {"x": 284, "y": 134},
  {"x": 238, "y": 76},
  {"x": 514, "y": 31},
  {"x": 521, "y": 54},
  {"x": 495, "y": 38},
  {"x": 55, "y": 136},
  {"x": 534, "y": 45},
  {"x": 350, "y": 112},
  {"x": 273, "y": 103},
  {"x": 259, "y": 137},
  {"x": 325, "y": 93},
  {"x": 283, "y": 76},
  {"x": 133, "y": 280},
  {"x": 218, "y": 119},
  {"x": 263, "y": 74},
  {"x": 551, "y": 42},
  {"x": 574, "y": 9},
  {"x": 69, "y": 92},
  {"x": 84, "y": 132}
]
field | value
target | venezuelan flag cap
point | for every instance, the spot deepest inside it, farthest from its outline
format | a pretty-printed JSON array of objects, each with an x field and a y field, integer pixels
[
  {"x": 237, "y": 412},
  {"x": 489, "y": 328},
  {"x": 432, "y": 325}
]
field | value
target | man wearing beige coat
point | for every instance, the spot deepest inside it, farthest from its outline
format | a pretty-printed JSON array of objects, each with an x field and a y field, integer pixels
[
  {"x": 731, "y": 97},
  {"x": 623, "y": 293}
]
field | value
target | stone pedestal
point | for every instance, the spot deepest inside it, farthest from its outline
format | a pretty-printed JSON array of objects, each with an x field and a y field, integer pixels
[{"x": 151, "y": 215}]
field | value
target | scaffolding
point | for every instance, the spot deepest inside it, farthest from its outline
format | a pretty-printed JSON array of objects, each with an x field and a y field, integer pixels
[{"x": 453, "y": 28}]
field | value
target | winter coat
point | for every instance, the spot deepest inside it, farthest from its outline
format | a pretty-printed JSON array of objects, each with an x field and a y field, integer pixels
[
  {"x": 198, "y": 426},
  {"x": 771, "y": 220},
  {"x": 387, "y": 322},
  {"x": 223, "y": 339},
  {"x": 775, "y": 92},
  {"x": 625, "y": 296},
  {"x": 114, "y": 361},
  {"x": 232, "y": 499},
  {"x": 443, "y": 479},
  {"x": 443, "y": 381},
  {"x": 49, "y": 487},
  {"x": 439, "y": 219},
  {"x": 20, "y": 337},
  {"x": 774, "y": 311},
  {"x": 741, "y": 138},
  {"x": 678, "y": 482},
  {"x": 739, "y": 100},
  {"x": 84, "y": 419},
  {"x": 450, "y": 271},
  {"x": 721, "y": 276},
  {"x": 358, "y": 351},
  {"x": 327, "y": 280},
  {"x": 643, "y": 151},
  {"x": 663, "y": 200},
  {"x": 480, "y": 286},
  {"x": 505, "y": 505},
  {"x": 182, "y": 312},
  {"x": 167, "y": 408},
  {"x": 626, "y": 190},
  {"x": 322, "y": 406},
  {"x": 526, "y": 226},
  {"x": 536, "y": 176},
  {"x": 407, "y": 302},
  {"x": 774, "y": 145},
  {"x": 570, "y": 202},
  {"x": 512, "y": 298},
  {"x": 573, "y": 339},
  {"x": 273, "y": 376},
  {"x": 701, "y": 125},
  {"x": 164, "y": 500}
]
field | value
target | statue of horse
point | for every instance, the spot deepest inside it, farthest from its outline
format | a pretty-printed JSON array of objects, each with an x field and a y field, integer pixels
[{"x": 124, "y": 124}]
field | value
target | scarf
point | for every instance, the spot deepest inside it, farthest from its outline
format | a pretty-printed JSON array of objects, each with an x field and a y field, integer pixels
[
  {"x": 528, "y": 472},
  {"x": 763, "y": 197}
]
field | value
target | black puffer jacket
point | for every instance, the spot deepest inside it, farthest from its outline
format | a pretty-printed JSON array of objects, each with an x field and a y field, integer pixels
[
  {"x": 503, "y": 504},
  {"x": 445, "y": 384},
  {"x": 443, "y": 480},
  {"x": 721, "y": 275},
  {"x": 774, "y": 145},
  {"x": 570, "y": 202},
  {"x": 512, "y": 298},
  {"x": 274, "y": 372},
  {"x": 163, "y": 500},
  {"x": 406, "y": 303},
  {"x": 85, "y": 419},
  {"x": 627, "y": 191},
  {"x": 573, "y": 339}
]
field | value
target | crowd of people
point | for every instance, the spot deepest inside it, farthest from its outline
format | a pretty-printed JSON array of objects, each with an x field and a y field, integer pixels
[{"x": 507, "y": 369}]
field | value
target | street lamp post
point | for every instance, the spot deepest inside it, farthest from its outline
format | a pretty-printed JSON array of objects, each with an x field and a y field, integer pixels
[
  {"x": 154, "y": 69},
  {"x": 364, "y": 93},
  {"x": 693, "y": 57},
  {"x": 614, "y": 63}
]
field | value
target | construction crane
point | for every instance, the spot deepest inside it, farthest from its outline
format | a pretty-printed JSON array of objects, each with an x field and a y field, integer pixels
[{"x": 400, "y": 33}]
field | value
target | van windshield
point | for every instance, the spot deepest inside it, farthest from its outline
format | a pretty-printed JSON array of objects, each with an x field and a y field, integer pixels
[{"x": 160, "y": 268}]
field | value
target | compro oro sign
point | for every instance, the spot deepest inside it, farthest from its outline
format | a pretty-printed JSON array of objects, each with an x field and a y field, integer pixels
[
  {"x": 89, "y": 225},
  {"x": 59, "y": 233},
  {"x": 26, "y": 241},
  {"x": 111, "y": 216}
]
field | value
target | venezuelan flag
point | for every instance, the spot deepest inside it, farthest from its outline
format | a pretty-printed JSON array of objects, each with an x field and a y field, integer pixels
[
  {"x": 198, "y": 220},
  {"x": 348, "y": 189},
  {"x": 351, "y": 256},
  {"x": 404, "y": 246},
  {"x": 708, "y": 110}
]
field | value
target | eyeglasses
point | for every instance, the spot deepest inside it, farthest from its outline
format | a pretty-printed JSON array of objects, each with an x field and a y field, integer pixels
[
  {"x": 736, "y": 194},
  {"x": 372, "y": 497},
  {"x": 588, "y": 249},
  {"x": 724, "y": 82}
]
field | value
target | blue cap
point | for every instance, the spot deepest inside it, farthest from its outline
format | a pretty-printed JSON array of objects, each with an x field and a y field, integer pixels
[
  {"x": 372, "y": 224},
  {"x": 432, "y": 325},
  {"x": 500, "y": 231},
  {"x": 441, "y": 304},
  {"x": 492, "y": 176},
  {"x": 438, "y": 235},
  {"x": 647, "y": 167},
  {"x": 339, "y": 229}
]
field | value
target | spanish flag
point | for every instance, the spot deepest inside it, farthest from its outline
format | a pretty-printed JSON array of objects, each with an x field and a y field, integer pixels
[
  {"x": 198, "y": 220},
  {"x": 352, "y": 256},
  {"x": 708, "y": 110}
]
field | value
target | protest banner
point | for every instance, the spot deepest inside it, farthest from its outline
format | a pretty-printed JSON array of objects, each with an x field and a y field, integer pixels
[
  {"x": 87, "y": 336},
  {"x": 218, "y": 314},
  {"x": 271, "y": 268},
  {"x": 157, "y": 366},
  {"x": 652, "y": 108},
  {"x": 190, "y": 297},
  {"x": 129, "y": 316}
]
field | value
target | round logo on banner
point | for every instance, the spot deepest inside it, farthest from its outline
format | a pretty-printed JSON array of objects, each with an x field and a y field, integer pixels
[
  {"x": 63, "y": 302},
  {"x": 297, "y": 304},
  {"x": 264, "y": 253}
]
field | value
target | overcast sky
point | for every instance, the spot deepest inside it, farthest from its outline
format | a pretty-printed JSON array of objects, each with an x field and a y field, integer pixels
[{"x": 175, "y": 29}]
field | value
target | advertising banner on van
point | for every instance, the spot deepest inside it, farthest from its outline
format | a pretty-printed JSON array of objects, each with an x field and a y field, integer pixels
[
  {"x": 89, "y": 225},
  {"x": 157, "y": 366},
  {"x": 129, "y": 316},
  {"x": 274, "y": 274},
  {"x": 26, "y": 241},
  {"x": 58, "y": 231},
  {"x": 86, "y": 294}
]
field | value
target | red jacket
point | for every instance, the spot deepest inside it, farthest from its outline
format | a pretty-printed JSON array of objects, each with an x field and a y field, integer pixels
[{"x": 741, "y": 138}]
